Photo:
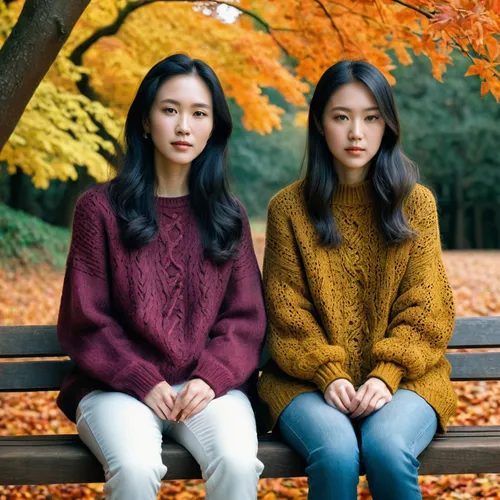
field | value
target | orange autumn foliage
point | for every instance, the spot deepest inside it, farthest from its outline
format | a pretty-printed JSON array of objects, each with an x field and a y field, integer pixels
[{"x": 29, "y": 296}]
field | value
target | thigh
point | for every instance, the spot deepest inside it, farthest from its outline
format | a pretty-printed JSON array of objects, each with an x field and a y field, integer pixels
[
  {"x": 308, "y": 424},
  {"x": 118, "y": 428},
  {"x": 407, "y": 419},
  {"x": 226, "y": 427}
]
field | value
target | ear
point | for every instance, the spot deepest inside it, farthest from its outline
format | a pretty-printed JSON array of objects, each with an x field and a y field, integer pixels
[
  {"x": 318, "y": 125},
  {"x": 145, "y": 125}
]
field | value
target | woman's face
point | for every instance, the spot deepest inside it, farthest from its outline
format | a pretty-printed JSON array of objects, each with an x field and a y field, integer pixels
[
  {"x": 181, "y": 119},
  {"x": 353, "y": 128}
]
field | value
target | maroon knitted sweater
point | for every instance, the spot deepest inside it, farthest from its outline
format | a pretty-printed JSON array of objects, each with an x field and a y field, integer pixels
[{"x": 130, "y": 319}]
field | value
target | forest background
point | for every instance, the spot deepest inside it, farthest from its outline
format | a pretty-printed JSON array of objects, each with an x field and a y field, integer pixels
[{"x": 61, "y": 132}]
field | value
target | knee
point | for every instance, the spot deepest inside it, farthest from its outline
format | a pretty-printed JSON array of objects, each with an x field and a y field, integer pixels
[
  {"x": 239, "y": 465},
  {"x": 138, "y": 472},
  {"x": 389, "y": 455},
  {"x": 334, "y": 460}
]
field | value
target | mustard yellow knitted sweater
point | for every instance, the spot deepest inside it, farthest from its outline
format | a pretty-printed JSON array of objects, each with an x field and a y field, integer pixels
[{"x": 363, "y": 310}]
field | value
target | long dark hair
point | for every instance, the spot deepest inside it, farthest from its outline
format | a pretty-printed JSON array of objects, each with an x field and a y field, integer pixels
[
  {"x": 132, "y": 191},
  {"x": 392, "y": 174}
]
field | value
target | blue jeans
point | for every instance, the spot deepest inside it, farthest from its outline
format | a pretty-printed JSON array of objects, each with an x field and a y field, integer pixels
[{"x": 388, "y": 441}]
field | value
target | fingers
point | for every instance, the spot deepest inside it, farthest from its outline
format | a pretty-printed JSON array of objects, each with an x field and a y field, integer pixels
[
  {"x": 191, "y": 395},
  {"x": 199, "y": 408},
  {"x": 199, "y": 402},
  {"x": 169, "y": 399},
  {"x": 333, "y": 400},
  {"x": 351, "y": 392},
  {"x": 344, "y": 396},
  {"x": 178, "y": 404},
  {"x": 375, "y": 403},
  {"x": 372, "y": 400},
  {"x": 162, "y": 411},
  {"x": 165, "y": 403},
  {"x": 358, "y": 398},
  {"x": 361, "y": 401}
]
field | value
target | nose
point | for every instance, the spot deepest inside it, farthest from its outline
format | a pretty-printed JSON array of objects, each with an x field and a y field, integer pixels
[
  {"x": 355, "y": 133},
  {"x": 183, "y": 127}
]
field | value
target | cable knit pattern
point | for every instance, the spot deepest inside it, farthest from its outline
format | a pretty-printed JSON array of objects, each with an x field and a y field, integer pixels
[
  {"x": 130, "y": 319},
  {"x": 363, "y": 310}
]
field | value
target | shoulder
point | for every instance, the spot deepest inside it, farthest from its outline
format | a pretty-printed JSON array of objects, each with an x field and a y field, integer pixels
[
  {"x": 288, "y": 200},
  {"x": 93, "y": 203},
  {"x": 93, "y": 212},
  {"x": 420, "y": 203}
]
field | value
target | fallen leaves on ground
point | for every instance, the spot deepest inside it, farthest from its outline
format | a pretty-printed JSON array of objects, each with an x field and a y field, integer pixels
[{"x": 31, "y": 296}]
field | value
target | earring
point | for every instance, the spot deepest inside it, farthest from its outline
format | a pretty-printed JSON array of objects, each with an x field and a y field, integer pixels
[{"x": 145, "y": 135}]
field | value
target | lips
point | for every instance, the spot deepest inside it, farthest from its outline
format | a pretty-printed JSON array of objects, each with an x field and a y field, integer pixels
[
  {"x": 354, "y": 149},
  {"x": 181, "y": 143}
]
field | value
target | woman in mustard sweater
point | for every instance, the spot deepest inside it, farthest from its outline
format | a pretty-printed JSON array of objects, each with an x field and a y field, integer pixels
[{"x": 359, "y": 306}]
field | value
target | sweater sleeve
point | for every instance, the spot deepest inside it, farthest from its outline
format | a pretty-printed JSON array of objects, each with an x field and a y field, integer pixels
[
  {"x": 232, "y": 352},
  {"x": 296, "y": 340},
  {"x": 422, "y": 316},
  {"x": 87, "y": 329}
]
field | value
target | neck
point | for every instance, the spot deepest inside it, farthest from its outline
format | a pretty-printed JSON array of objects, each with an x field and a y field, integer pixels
[
  {"x": 172, "y": 180},
  {"x": 351, "y": 175}
]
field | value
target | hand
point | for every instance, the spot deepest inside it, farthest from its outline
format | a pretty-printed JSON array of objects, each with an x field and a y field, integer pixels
[
  {"x": 371, "y": 396},
  {"x": 192, "y": 398},
  {"x": 161, "y": 399},
  {"x": 339, "y": 394}
]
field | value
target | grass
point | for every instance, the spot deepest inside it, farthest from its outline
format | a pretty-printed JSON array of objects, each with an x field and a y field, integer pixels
[{"x": 26, "y": 240}]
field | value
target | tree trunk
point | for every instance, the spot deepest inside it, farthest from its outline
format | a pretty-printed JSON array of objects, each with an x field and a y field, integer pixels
[
  {"x": 16, "y": 197},
  {"x": 459, "y": 216},
  {"x": 478, "y": 226},
  {"x": 74, "y": 189},
  {"x": 28, "y": 53}
]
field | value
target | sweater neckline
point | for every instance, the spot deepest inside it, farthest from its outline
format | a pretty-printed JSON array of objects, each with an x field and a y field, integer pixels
[
  {"x": 352, "y": 195},
  {"x": 172, "y": 202}
]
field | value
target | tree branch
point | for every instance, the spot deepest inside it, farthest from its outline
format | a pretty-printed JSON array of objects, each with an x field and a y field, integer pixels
[
  {"x": 425, "y": 13},
  {"x": 77, "y": 54},
  {"x": 332, "y": 22}
]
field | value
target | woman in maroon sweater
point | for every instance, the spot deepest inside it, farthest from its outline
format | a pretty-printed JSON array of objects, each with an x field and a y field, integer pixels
[{"x": 162, "y": 309}]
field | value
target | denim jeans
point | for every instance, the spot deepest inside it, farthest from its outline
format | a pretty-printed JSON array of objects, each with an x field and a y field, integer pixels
[
  {"x": 126, "y": 436},
  {"x": 388, "y": 442}
]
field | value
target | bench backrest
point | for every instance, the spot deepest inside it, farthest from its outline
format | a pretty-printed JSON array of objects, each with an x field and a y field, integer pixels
[{"x": 46, "y": 374}]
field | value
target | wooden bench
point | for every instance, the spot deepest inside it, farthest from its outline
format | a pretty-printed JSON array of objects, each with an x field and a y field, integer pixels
[{"x": 64, "y": 459}]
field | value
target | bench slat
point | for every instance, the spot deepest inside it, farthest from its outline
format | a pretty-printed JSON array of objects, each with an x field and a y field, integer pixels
[
  {"x": 476, "y": 332},
  {"x": 33, "y": 375},
  {"x": 474, "y": 366},
  {"x": 64, "y": 459},
  {"x": 33, "y": 341},
  {"x": 47, "y": 375},
  {"x": 29, "y": 341}
]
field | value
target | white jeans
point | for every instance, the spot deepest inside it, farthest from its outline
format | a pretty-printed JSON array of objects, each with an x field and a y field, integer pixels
[{"x": 126, "y": 436}]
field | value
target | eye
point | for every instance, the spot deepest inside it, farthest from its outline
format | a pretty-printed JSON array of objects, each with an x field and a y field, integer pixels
[
  {"x": 340, "y": 118},
  {"x": 372, "y": 118},
  {"x": 199, "y": 114},
  {"x": 169, "y": 111}
]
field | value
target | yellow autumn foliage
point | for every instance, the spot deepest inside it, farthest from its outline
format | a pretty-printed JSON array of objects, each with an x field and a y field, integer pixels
[{"x": 57, "y": 132}]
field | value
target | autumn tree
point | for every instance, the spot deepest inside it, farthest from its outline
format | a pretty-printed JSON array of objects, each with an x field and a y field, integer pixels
[{"x": 74, "y": 120}]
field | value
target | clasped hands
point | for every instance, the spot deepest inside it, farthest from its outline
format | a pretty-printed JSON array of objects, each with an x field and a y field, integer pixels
[
  {"x": 190, "y": 400},
  {"x": 371, "y": 396}
]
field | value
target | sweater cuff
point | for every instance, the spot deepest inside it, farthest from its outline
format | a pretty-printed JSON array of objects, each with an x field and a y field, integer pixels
[
  {"x": 328, "y": 373},
  {"x": 137, "y": 380},
  {"x": 214, "y": 374},
  {"x": 390, "y": 373}
]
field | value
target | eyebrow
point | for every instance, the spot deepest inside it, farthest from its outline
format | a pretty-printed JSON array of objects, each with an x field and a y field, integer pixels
[
  {"x": 194, "y": 105},
  {"x": 342, "y": 108}
]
